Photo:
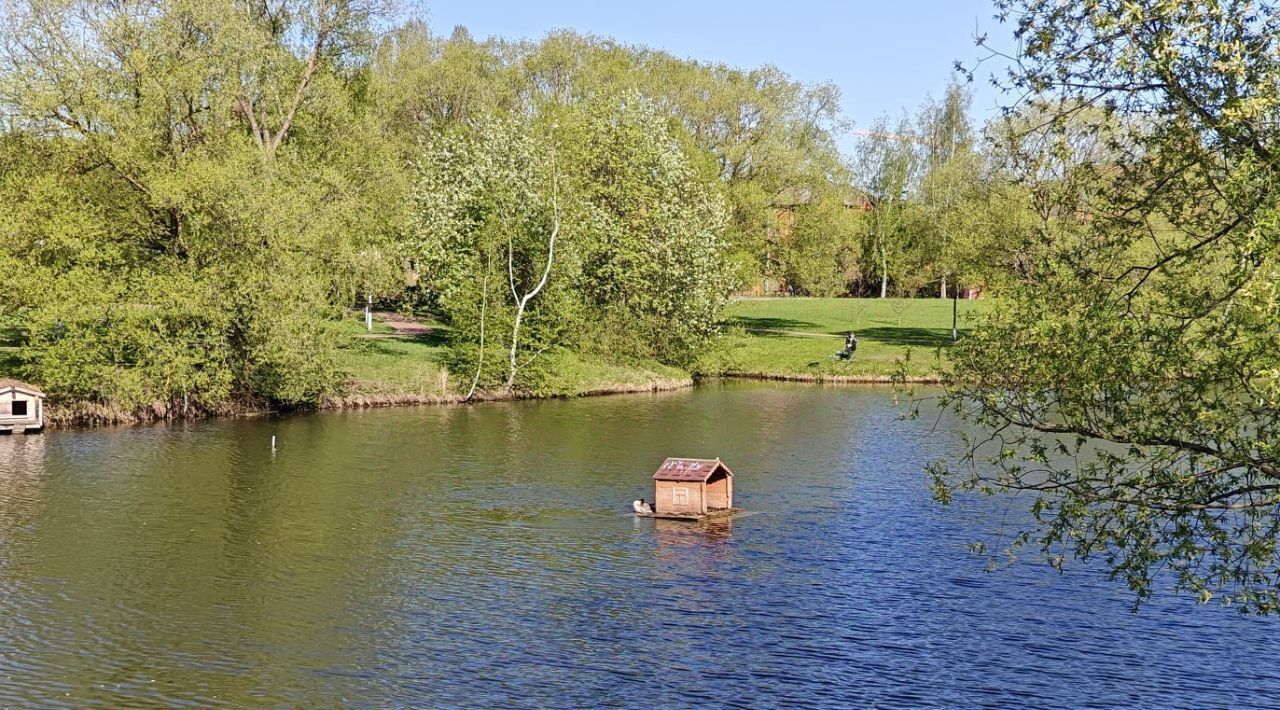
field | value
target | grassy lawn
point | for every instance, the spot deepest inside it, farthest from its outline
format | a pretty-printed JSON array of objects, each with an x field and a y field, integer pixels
[
  {"x": 799, "y": 336},
  {"x": 767, "y": 336},
  {"x": 384, "y": 363},
  {"x": 569, "y": 373}
]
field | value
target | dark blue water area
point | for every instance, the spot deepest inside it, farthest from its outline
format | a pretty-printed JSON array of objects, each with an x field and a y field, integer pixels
[
  {"x": 484, "y": 557},
  {"x": 845, "y": 585}
]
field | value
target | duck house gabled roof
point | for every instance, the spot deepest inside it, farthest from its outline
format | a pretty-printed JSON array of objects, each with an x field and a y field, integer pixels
[
  {"x": 695, "y": 470},
  {"x": 30, "y": 390}
]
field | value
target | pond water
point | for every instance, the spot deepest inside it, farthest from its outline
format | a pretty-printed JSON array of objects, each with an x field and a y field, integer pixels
[{"x": 483, "y": 556}]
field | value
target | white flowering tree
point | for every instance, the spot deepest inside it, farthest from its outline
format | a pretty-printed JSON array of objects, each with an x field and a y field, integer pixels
[
  {"x": 487, "y": 196},
  {"x": 610, "y": 241}
]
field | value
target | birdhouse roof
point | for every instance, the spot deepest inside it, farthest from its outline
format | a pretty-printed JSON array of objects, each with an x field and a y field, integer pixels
[
  {"x": 689, "y": 469},
  {"x": 23, "y": 387}
]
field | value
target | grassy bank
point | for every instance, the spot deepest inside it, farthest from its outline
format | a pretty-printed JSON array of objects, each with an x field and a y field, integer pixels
[
  {"x": 389, "y": 368},
  {"x": 384, "y": 363},
  {"x": 796, "y": 338},
  {"x": 401, "y": 362},
  {"x": 784, "y": 338}
]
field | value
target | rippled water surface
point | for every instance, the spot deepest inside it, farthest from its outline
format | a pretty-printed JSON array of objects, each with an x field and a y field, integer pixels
[{"x": 483, "y": 556}]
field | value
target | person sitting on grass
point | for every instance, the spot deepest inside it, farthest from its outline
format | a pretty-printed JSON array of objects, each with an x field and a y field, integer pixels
[{"x": 850, "y": 345}]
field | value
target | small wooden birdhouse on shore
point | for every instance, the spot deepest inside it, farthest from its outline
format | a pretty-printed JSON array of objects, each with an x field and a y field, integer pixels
[
  {"x": 21, "y": 407},
  {"x": 692, "y": 489}
]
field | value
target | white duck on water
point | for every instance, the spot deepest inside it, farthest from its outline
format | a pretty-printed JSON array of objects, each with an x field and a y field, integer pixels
[{"x": 641, "y": 507}]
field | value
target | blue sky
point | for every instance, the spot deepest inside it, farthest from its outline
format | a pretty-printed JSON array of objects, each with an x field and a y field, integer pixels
[{"x": 884, "y": 55}]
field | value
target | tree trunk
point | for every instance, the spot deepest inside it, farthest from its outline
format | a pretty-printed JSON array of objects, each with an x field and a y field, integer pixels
[
  {"x": 884, "y": 271},
  {"x": 515, "y": 340},
  {"x": 484, "y": 303},
  {"x": 944, "y": 285},
  {"x": 955, "y": 314},
  {"x": 523, "y": 301}
]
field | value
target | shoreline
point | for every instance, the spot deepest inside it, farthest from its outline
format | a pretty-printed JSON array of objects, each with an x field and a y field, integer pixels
[
  {"x": 821, "y": 379},
  {"x": 781, "y": 340},
  {"x": 91, "y": 416},
  {"x": 412, "y": 399}
]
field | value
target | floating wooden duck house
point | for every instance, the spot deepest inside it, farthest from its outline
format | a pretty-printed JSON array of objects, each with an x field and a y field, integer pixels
[
  {"x": 21, "y": 407},
  {"x": 692, "y": 489}
]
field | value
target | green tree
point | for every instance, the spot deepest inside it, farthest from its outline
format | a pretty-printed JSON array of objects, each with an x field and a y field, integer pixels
[
  {"x": 951, "y": 178},
  {"x": 198, "y": 189},
  {"x": 888, "y": 166},
  {"x": 421, "y": 82},
  {"x": 751, "y": 133},
  {"x": 637, "y": 269},
  {"x": 655, "y": 257},
  {"x": 758, "y": 131},
  {"x": 1132, "y": 383},
  {"x": 822, "y": 254}
]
